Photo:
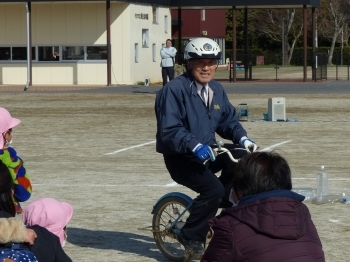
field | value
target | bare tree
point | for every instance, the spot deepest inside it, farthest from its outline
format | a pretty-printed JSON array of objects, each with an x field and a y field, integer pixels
[
  {"x": 333, "y": 19},
  {"x": 271, "y": 22}
]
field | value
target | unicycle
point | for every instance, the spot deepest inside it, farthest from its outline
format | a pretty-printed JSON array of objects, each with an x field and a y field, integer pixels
[{"x": 169, "y": 216}]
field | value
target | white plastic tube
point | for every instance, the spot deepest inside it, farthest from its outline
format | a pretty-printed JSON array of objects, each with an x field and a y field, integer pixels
[{"x": 28, "y": 50}]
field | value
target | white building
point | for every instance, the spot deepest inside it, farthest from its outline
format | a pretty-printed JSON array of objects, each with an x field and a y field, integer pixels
[
  {"x": 77, "y": 31},
  {"x": 101, "y": 42}
]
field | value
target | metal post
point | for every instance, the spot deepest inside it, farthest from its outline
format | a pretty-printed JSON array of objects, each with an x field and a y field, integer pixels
[
  {"x": 109, "y": 49},
  {"x": 348, "y": 68},
  {"x": 229, "y": 68},
  {"x": 29, "y": 45},
  {"x": 342, "y": 46},
  {"x": 250, "y": 71},
  {"x": 321, "y": 64},
  {"x": 336, "y": 70},
  {"x": 305, "y": 42},
  {"x": 234, "y": 42},
  {"x": 276, "y": 72},
  {"x": 283, "y": 43},
  {"x": 245, "y": 44},
  {"x": 314, "y": 43},
  {"x": 179, "y": 35}
]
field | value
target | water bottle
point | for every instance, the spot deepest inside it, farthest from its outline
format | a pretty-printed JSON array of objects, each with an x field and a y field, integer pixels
[{"x": 322, "y": 182}]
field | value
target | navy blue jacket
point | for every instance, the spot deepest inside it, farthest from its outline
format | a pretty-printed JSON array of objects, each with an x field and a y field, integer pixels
[{"x": 183, "y": 120}]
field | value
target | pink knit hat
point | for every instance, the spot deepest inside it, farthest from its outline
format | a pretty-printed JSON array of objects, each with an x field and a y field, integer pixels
[
  {"x": 6, "y": 122},
  {"x": 48, "y": 213}
]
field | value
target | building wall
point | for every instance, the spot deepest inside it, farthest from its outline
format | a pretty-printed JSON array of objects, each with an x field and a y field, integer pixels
[
  {"x": 193, "y": 25},
  {"x": 83, "y": 24},
  {"x": 146, "y": 67}
]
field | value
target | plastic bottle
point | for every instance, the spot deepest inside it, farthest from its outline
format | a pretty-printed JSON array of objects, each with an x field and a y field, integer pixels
[
  {"x": 322, "y": 182},
  {"x": 307, "y": 192}
]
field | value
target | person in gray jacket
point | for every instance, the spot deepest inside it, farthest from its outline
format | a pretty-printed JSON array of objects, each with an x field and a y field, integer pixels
[
  {"x": 168, "y": 53},
  {"x": 190, "y": 109}
]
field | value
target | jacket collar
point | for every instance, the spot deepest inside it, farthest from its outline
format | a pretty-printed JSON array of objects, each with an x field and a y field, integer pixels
[
  {"x": 192, "y": 83},
  {"x": 274, "y": 193}
]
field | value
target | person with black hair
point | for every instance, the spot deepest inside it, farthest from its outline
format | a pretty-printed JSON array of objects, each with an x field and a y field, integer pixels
[
  {"x": 270, "y": 222},
  {"x": 168, "y": 53}
]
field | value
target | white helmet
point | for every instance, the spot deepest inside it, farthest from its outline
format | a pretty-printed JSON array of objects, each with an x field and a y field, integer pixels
[{"x": 202, "y": 47}]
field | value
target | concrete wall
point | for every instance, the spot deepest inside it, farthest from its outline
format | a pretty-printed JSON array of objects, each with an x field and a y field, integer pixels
[{"x": 70, "y": 24}]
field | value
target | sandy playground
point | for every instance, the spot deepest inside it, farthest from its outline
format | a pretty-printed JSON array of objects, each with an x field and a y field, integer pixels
[{"x": 97, "y": 152}]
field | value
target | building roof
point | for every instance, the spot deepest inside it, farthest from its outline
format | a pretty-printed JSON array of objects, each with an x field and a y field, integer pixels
[
  {"x": 239, "y": 4},
  {"x": 206, "y": 4}
]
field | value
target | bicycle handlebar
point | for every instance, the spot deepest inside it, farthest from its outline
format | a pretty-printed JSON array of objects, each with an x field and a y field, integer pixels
[{"x": 221, "y": 150}]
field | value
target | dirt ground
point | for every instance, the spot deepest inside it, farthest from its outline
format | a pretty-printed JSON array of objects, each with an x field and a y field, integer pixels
[{"x": 97, "y": 152}]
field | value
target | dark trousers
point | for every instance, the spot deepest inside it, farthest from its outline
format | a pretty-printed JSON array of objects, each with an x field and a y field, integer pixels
[
  {"x": 167, "y": 71},
  {"x": 187, "y": 170}
]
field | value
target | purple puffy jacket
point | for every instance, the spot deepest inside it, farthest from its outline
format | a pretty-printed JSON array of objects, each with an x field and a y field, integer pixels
[{"x": 268, "y": 229}]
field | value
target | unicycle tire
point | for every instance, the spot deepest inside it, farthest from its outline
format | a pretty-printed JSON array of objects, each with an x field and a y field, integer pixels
[{"x": 166, "y": 212}]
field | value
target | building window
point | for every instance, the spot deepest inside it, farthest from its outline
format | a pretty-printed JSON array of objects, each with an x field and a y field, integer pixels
[
  {"x": 136, "y": 53},
  {"x": 48, "y": 53},
  {"x": 166, "y": 26},
  {"x": 96, "y": 53},
  {"x": 5, "y": 53},
  {"x": 20, "y": 53},
  {"x": 155, "y": 13},
  {"x": 154, "y": 52},
  {"x": 145, "y": 37},
  {"x": 55, "y": 53},
  {"x": 73, "y": 53},
  {"x": 203, "y": 15}
]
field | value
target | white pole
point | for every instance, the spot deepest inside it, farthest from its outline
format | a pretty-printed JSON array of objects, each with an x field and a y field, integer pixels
[
  {"x": 342, "y": 46},
  {"x": 28, "y": 51}
]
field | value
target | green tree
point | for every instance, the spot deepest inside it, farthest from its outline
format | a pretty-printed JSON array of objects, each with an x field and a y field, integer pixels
[
  {"x": 333, "y": 20},
  {"x": 281, "y": 25},
  {"x": 253, "y": 39}
]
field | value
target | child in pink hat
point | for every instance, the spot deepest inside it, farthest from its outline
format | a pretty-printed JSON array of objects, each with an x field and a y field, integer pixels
[
  {"x": 14, "y": 163},
  {"x": 50, "y": 214}
]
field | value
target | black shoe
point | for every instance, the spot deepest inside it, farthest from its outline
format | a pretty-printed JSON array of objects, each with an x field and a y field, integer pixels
[{"x": 194, "y": 246}]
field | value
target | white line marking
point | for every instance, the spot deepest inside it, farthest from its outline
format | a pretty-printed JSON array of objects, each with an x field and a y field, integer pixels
[
  {"x": 171, "y": 184},
  {"x": 331, "y": 179},
  {"x": 154, "y": 185},
  {"x": 268, "y": 148},
  {"x": 97, "y": 185},
  {"x": 124, "y": 149}
]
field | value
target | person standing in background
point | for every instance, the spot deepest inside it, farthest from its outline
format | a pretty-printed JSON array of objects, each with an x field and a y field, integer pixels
[
  {"x": 167, "y": 53},
  {"x": 56, "y": 56}
]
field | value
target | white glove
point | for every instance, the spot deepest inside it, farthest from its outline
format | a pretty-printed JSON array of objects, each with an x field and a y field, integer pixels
[{"x": 248, "y": 144}]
